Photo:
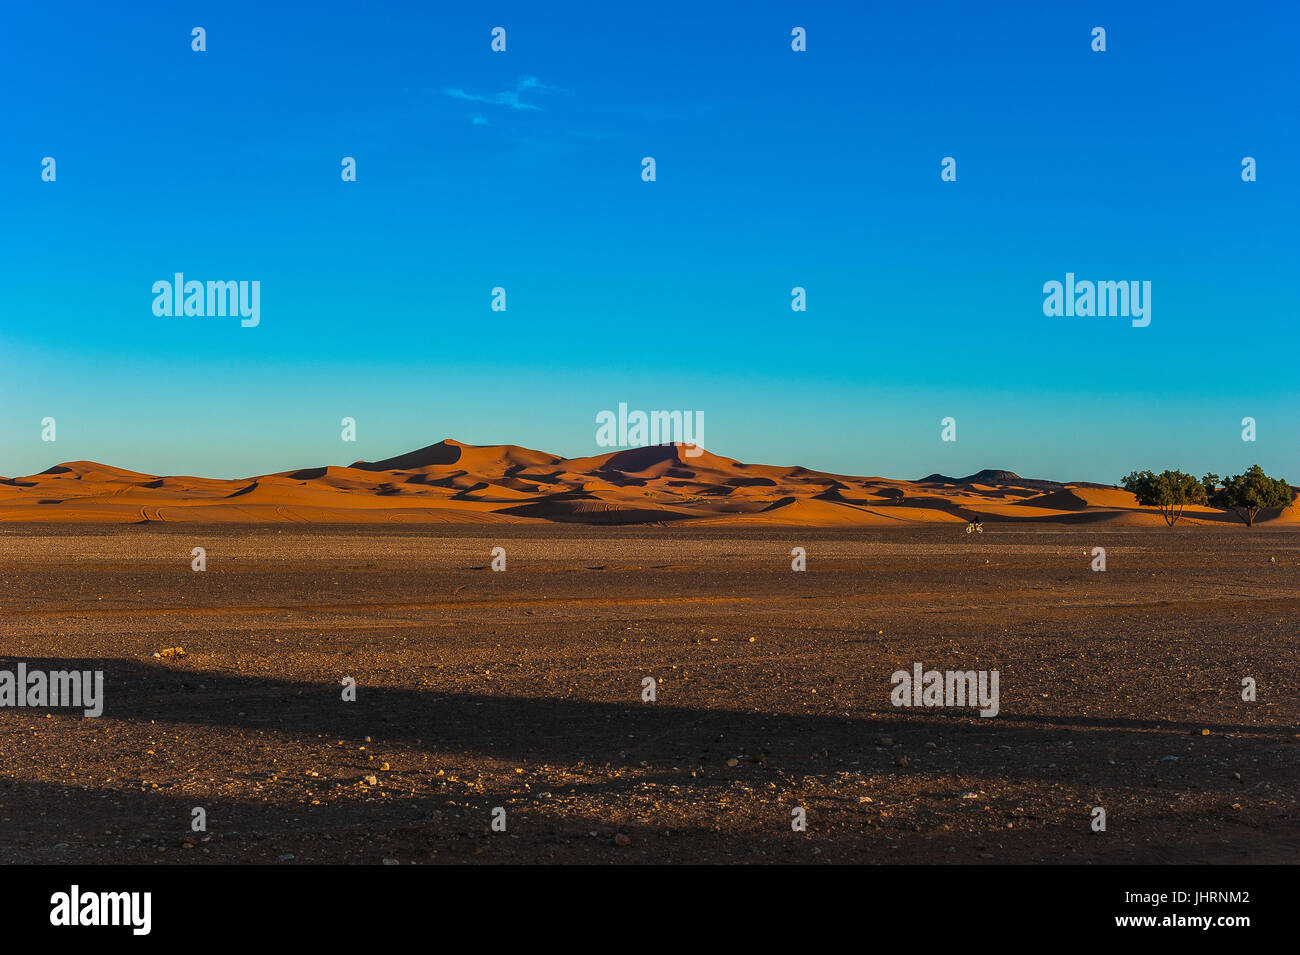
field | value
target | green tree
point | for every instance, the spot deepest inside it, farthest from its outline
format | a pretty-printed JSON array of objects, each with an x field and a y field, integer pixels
[
  {"x": 1211, "y": 484},
  {"x": 1170, "y": 491},
  {"x": 1248, "y": 493}
]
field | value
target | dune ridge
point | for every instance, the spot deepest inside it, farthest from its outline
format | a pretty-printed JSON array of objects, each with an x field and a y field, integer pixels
[{"x": 451, "y": 482}]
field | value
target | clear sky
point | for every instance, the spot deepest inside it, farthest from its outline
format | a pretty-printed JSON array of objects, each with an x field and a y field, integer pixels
[{"x": 775, "y": 169}]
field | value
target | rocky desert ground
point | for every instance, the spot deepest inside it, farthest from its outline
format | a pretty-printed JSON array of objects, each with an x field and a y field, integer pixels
[{"x": 521, "y": 690}]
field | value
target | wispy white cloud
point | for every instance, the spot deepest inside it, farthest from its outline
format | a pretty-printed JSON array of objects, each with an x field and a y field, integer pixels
[{"x": 511, "y": 99}]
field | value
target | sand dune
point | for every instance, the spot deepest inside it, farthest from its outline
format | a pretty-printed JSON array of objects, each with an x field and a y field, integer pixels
[{"x": 451, "y": 482}]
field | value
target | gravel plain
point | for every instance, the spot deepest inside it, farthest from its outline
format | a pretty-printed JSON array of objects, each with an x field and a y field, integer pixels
[{"x": 518, "y": 695}]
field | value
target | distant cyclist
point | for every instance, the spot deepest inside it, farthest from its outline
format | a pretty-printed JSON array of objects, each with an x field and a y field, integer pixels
[{"x": 975, "y": 527}]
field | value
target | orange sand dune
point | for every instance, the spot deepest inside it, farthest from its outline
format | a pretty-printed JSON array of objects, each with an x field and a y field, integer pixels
[{"x": 450, "y": 482}]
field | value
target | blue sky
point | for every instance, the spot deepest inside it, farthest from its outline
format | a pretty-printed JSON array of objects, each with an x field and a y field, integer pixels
[{"x": 774, "y": 169}]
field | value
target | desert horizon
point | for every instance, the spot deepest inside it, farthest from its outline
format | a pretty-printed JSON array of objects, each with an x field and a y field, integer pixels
[{"x": 453, "y": 482}]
